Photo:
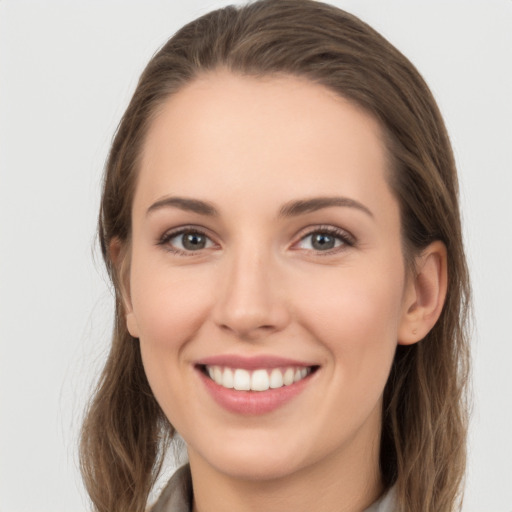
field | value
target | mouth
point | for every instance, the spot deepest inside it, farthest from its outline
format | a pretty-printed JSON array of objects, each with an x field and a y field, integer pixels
[
  {"x": 258, "y": 379},
  {"x": 254, "y": 385}
]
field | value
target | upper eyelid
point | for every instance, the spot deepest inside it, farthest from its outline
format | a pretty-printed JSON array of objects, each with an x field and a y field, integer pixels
[
  {"x": 167, "y": 236},
  {"x": 303, "y": 233},
  {"x": 334, "y": 230},
  {"x": 171, "y": 233}
]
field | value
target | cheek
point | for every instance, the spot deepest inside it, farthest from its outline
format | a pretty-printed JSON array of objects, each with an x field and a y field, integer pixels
[
  {"x": 168, "y": 306},
  {"x": 356, "y": 315},
  {"x": 353, "y": 313}
]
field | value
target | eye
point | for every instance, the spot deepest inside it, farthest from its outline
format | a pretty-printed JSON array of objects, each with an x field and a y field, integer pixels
[
  {"x": 186, "y": 241},
  {"x": 325, "y": 240}
]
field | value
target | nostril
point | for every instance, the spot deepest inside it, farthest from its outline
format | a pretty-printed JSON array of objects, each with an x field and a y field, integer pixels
[{"x": 249, "y": 333}]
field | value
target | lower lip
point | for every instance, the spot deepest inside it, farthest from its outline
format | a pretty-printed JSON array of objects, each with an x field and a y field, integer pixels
[{"x": 253, "y": 402}]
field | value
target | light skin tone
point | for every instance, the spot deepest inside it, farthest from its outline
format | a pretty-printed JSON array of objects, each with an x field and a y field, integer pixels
[{"x": 235, "y": 162}]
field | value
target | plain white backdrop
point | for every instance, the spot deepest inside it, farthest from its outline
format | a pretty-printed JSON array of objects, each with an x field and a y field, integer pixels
[{"x": 67, "y": 70}]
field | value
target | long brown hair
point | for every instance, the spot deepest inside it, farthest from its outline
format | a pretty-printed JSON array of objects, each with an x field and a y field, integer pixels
[{"x": 423, "y": 442}]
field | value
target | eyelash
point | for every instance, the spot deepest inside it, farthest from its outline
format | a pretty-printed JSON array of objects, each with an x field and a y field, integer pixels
[
  {"x": 347, "y": 240},
  {"x": 169, "y": 235}
]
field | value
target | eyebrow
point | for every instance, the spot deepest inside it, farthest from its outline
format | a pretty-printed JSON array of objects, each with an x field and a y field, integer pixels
[
  {"x": 290, "y": 209},
  {"x": 189, "y": 205},
  {"x": 294, "y": 208}
]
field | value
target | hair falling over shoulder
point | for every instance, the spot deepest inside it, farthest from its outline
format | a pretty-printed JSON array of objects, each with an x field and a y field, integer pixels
[{"x": 425, "y": 409}]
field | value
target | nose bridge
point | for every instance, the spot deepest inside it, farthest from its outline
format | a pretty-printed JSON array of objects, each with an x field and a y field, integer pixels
[{"x": 249, "y": 302}]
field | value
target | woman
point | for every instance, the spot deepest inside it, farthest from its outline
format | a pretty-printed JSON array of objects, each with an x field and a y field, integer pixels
[{"x": 281, "y": 225}]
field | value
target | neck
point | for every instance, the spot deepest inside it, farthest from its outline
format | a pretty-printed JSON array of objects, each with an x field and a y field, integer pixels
[{"x": 345, "y": 482}]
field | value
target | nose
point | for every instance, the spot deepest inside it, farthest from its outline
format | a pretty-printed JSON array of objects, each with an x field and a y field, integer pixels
[{"x": 251, "y": 303}]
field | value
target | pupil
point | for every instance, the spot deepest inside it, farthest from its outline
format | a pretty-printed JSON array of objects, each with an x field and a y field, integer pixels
[
  {"x": 322, "y": 241},
  {"x": 193, "y": 241}
]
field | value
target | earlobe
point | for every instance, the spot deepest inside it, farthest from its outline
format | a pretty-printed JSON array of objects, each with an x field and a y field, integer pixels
[
  {"x": 425, "y": 294},
  {"x": 131, "y": 324},
  {"x": 120, "y": 256}
]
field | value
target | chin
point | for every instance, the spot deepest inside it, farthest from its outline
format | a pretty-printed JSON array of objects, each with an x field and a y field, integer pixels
[
  {"x": 255, "y": 459},
  {"x": 258, "y": 467}
]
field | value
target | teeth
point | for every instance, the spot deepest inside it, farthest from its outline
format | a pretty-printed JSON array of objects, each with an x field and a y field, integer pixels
[
  {"x": 242, "y": 380},
  {"x": 228, "y": 379},
  {"x": 288, "y": 376},
  {"x": 257, "y": 380},
  {"x": 260, "y": 380},
  {"x": 276, "y": 379},
  {"x": 217, "y": 374}
]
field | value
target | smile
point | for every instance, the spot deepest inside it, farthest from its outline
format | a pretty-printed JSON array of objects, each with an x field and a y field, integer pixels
[
  {"x": 254, "y": 385},
  {"x": 261, "y": 379}
]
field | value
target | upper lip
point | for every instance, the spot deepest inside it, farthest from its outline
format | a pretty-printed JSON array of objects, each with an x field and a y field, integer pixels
[{"x": 252, "y": 362}]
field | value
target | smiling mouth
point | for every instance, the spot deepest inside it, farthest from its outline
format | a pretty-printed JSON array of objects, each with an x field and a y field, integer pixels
[{"x": 262, "y": 379}]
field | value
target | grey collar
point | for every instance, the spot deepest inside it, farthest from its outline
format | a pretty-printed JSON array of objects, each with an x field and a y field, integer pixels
[{"x": 177, "y": 495}]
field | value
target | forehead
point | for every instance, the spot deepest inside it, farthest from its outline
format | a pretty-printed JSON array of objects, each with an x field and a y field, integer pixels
[{"x": 261, "y": 134}]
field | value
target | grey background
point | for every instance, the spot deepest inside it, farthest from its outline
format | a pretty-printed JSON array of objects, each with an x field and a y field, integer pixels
[{"x": 67, "y": 70}]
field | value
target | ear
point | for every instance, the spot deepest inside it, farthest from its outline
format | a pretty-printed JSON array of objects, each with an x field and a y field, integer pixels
[
  {"x": 424, "y": 295},
  {"x": 120, "y": 256}
]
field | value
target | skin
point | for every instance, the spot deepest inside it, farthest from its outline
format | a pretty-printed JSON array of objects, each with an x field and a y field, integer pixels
[{"x": 248, "y": 147}]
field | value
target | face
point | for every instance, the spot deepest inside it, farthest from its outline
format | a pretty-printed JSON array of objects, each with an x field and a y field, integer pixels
[{"x": 267, "y": 281}]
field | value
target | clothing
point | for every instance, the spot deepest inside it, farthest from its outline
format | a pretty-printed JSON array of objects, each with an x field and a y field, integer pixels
[{"x": 177, "y": 495}]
